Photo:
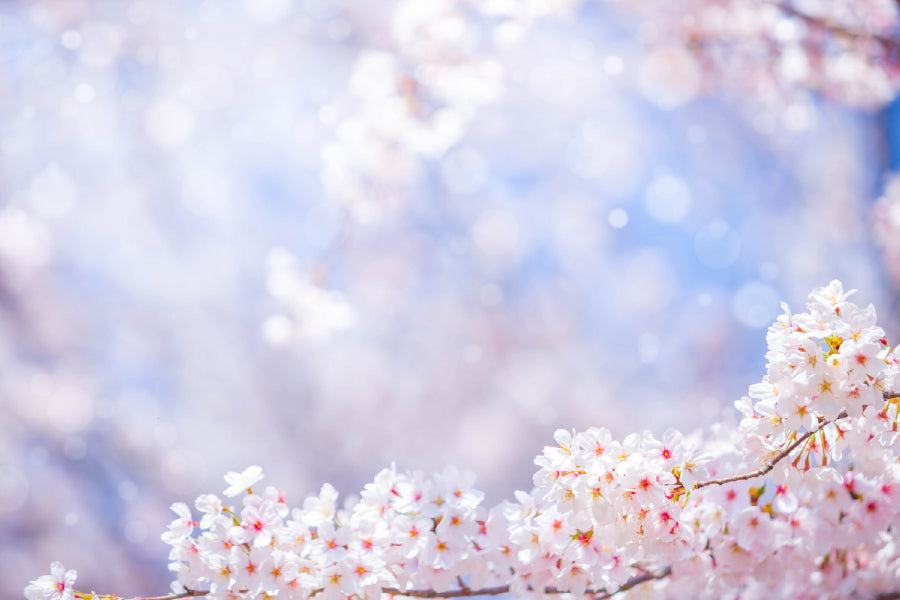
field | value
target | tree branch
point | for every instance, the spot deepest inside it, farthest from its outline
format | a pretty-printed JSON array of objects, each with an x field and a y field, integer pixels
[
  {"x": 771, "y": 464},
  {"x": 463, "y": 592},
  {"x": 637, "y": 580},
  {"x": 460, "y": 593},
  {"x": 185, "y": 594},
  {"x": 784, "y": 453}
]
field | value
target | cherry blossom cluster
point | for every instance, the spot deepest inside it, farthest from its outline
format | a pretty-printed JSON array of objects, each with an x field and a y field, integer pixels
[
  {"x": 801, "y": 500},
  {"x": 404, "y": 530},
  {"x": 828, "y": 370},
  {"x": 823, "y": 426}
]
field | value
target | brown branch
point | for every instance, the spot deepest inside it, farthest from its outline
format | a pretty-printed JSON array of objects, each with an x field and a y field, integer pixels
[
  {"x": 185, "y": 594},
  {"x": 784, "y": 453},
  {"x": 463, "y": 592},
  {"x": 771, "y": 464},
  {"x": 637, "y": 580},
  {"x": 494, "y": 591}
]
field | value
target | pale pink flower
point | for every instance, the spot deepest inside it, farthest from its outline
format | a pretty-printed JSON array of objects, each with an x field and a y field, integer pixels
[
  {"x": 182, "y": 526},
  {"x": 320, "y": 509},
  {"x": 58, "y": 585},
  {"x": 260, "y": 521},
  {"x": 211, "y": 507},
  {"x": 412, "y": 533},
  {"x": 241, "y": 482}
]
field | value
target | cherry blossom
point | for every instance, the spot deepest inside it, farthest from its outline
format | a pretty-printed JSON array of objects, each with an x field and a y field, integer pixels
[
  {"x": 115, "y": 106},
  {"x": 798, "y": 500},
  {"x": 55, "y": 586},
  {"x": 238, "y": 482}
]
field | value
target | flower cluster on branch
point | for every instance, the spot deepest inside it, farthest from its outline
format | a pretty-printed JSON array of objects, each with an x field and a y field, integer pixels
[{"x": 801, "y": 498}]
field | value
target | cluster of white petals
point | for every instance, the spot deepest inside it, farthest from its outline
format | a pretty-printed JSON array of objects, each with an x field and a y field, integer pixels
[
  {"x": 828, "y": 370},
  {"x": 58, "y": 585},
  {"x": 800, "y": 501}
]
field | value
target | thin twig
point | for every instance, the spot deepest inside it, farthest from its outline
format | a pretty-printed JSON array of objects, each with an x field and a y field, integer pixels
[
  {"x": 771, "y": 464},
  {"x": 185, "y": 594},
  {"x": 494, "y": 591},
  {"x": 636, "y": 580},
  {"x": 463, "y": 592},
  {"x": 784, "y": 453}
]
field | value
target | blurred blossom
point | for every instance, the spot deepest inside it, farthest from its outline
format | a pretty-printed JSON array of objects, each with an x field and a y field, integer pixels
[
  {"x": 322, "y": 236},
  {"x": 314, "y": 312}
]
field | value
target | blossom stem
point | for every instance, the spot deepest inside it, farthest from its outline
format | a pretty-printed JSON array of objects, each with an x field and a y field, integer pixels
[
  {"x": 636, "y": 580},
  {"x": 783, "y": 454},
  {"x": 184, "y": 594},
  {"x": 463, "y": 592},
  {"x": 771, "y": 464},
  {"x": 492, "y": 591}
]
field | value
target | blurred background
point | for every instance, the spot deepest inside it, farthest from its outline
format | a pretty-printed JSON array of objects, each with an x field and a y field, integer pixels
[{"x": 322, "y": 236}]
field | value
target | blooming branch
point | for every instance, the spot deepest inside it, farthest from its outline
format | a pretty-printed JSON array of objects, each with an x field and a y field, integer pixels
[
  {"x": 463, "y": 592},
  {"x": 636, "y": 580},
  {"x": 765, "y": 469},
  {"x": 605, "y": 516},
  {"x": 174, "y": 596}
]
